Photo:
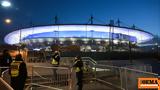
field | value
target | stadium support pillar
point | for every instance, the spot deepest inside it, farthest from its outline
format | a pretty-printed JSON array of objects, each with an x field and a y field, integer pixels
[
  {"x": 109, "y": 46},
  {"x": 56, "y": 19},
  {"x": 130, "y": 53},
  {"x": 91, "y": 19},
  {"x": 111, "y": 33}
]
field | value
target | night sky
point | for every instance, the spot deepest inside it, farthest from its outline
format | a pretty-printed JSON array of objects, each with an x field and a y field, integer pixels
[{"x": 145, "y": 14}]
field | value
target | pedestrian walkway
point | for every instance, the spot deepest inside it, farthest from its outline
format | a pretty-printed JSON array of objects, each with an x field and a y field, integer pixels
[
  {"x": 94, "y": 85},
  {"x": 100, "y": 77}
]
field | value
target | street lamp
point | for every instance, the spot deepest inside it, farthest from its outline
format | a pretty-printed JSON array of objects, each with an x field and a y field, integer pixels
[
  {"x": 7, "y": 21},
  {"x": 6, "y": 3}
]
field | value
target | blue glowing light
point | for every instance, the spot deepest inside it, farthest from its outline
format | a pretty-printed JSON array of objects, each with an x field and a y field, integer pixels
[
  {"x": 89, "y": 31},
  {"x": 81, "y": 34}
]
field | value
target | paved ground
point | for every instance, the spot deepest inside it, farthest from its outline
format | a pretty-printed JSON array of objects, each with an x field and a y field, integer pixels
[
  {"x": 96, "y": 86},
  {"x": 88, "y": 86}
]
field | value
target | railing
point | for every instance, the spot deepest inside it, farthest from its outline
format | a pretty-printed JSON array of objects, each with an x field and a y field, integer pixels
[
  {"x": 34, "y": 86},
  {"x": 129, "y": 77},
  {"x": 37, "y": 60},
  {"x": 120, "y": 77},
  {"x": 109, "y": 75},
  {"x": 5, "y": 74},
  {"x": 3, "y": 69},
  {"x": 4, "y": 85},
  {"x": 89, "y": 59},
  {"x": 67, "y": 61},
  {"x": 5, "y": 79},
  {"x": 142, "y": 67},
  {"x": 54, "y": 78}
]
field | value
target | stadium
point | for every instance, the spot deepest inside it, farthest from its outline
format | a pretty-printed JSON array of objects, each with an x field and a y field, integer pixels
[{"x": 87, "y": 37}]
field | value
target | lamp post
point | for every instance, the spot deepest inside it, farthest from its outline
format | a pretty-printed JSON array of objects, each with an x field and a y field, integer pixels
[
  {"x": 130, "y": 52},
  {"x": 8, "y": 21},
  {"x": 157, "y": 46},
  {"x": 6, "y": 3},
  {"x": 20, "y": 40},
  {"x": 130, "y": 45},
  {"x": 111, "y": 33}
]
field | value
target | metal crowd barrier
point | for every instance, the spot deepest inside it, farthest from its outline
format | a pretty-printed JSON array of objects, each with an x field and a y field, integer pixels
[
  {"x": 34, "y": 86},
  {"x": 108, "y": 75},
  {"x": 129, "y": 77},
  {"x": 121, "y": 77},
  {"x": 5, "y": 79},
  {"x": 4, "y": 85},
  {"x": 5, "y": 74},
  {"x": 142, "y": 67},
  {"x": 61, "y": 78},
  {"x": 54, "y": 78},
  {"x": 37, "y": 60}
]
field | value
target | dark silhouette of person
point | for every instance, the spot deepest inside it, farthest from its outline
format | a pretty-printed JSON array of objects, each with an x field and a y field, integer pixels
[
  {"x": 6, "y": 60},
  {"x": 55, "y": 63},
  {"x": 18, "y": 73},
  {"x": 78, "y": 65},
  {"x": 56, "y": 58}
]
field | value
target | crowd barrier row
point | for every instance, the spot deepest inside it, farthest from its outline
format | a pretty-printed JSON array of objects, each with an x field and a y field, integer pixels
[{"x": 64, "y": 78}]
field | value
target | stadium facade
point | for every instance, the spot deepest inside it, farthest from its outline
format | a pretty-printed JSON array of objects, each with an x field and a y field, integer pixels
[{"x": 91, "y": 37}]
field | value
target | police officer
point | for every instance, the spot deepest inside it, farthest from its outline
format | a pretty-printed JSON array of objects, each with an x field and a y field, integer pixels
[
  {"x": 55, "y": 62},
  {"x": 78, "y": 65},
  {"x": 18, "y": 73},
  {"x": 56, "y": 58}
]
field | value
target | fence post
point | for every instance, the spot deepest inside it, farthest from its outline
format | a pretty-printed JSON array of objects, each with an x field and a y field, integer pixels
[
  {"x": 70, "y": 75},
  {"x": 74, "y": 80},
  {"x": 150, "y": 69},
  {"x": 32, "y": 78},
  {"x": 126, "y": 86},
  {"x": 121, "y": 78},
  {"x": 95, "y": 74},
  {"x": 145, "y": 68}
]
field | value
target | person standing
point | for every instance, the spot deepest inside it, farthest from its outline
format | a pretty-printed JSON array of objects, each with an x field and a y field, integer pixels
[
  {"x": 6, "y": 59},
  {"x": 78, "y": 66},
  {"x": 55, "y": 62},
  {"x": 18, "y": 73},
  {"x": 56, "y": 58}
]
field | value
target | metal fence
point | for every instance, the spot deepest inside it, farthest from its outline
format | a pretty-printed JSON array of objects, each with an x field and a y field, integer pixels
[
  {"x": 108, "y": 75},
  {"x": 54, "y": 78},
  {"x": 34, "y": 86},
  {"x": 129, "y": 77},
  {"x": 121, "y": 77},
  {"x": 5, "y": 79},
  {"x": 4, "y": 85},
  {"x": 5, "y": 74},
  {"x": 142, "y": 67},
  {"x": 62, "y": 78}
]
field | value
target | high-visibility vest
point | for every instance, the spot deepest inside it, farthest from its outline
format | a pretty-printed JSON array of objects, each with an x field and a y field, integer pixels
[
  {"x": 77, "y": 69},
  {"x": 15, "y": 68},
  {"x": 54, "y": 62}
]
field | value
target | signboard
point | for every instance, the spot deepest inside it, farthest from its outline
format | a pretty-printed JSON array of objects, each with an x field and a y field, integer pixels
[{"x": 149, "y": 83}]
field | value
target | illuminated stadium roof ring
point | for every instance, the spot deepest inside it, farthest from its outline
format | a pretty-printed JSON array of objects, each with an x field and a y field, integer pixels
[{"x": 76, "y": 31}]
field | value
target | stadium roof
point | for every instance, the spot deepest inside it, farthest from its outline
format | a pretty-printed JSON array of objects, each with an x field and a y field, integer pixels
[{"x": 14, "y": 37}]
